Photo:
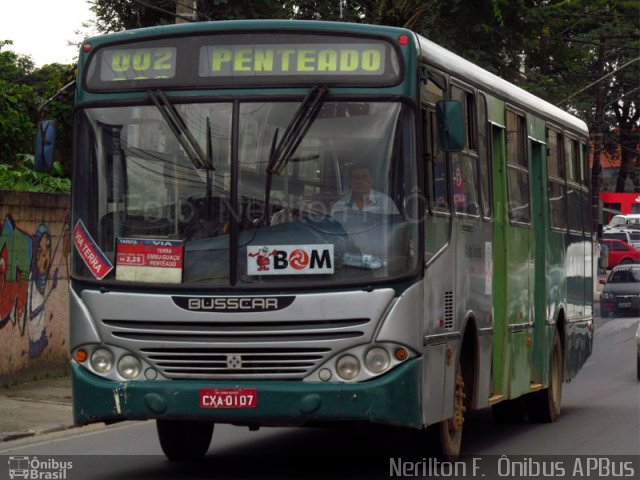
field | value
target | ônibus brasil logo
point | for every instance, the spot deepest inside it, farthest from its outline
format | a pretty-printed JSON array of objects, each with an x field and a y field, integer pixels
[
  {"x": 38, "y": 469},
  {"x": 289, "y": 259}
]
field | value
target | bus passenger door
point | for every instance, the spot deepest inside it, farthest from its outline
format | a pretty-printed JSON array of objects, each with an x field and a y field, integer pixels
[
  {"x": 513, "y": 260},
  {"x": 439, "y": 280}
]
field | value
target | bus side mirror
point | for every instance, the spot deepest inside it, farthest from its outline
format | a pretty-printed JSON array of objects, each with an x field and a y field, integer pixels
[
  {"x": 45, "y": 146},
  {"x": 450, "y": 125}
]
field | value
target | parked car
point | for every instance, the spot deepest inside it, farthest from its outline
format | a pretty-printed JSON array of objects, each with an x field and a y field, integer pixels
[
  {"x": 629, "y": 235},
  {"x": 623, "y": 219},
  {"x": 620, "y": 252},
  {"x": 621, "y": 292}
]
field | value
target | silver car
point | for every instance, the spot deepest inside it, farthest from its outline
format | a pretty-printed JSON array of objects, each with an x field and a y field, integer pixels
[{"x": 621, "y": 292}]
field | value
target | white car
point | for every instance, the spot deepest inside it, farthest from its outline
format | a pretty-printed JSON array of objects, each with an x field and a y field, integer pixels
[{"x": 623, "y": 220}]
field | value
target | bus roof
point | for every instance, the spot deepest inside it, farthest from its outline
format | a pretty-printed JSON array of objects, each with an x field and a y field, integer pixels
[
  {"x": 232, "y": 25},
  {"x": 448, "y": 61}
]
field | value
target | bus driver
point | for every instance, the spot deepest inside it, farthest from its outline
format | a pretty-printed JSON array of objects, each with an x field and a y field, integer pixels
[{"x": 361, "y": 196}]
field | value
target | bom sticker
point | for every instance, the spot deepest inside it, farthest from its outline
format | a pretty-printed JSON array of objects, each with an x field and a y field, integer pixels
[{"x": 290, "y": 259}]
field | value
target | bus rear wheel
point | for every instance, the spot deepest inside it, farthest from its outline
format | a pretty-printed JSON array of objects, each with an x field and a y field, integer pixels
[
  {"x": 184, "y": 440},
  {"x": 544, "y": 406}
]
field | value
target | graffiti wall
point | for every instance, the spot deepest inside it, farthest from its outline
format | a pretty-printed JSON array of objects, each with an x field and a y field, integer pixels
[{"x": 34, "y": 273}]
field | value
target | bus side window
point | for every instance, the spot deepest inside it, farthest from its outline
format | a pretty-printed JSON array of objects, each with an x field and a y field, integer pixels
[
  {"x": 574, "y": 201},
  {"x": 484, "y": 160},
  {"x": 556, "y": 182},
  {"x": 435, "y": 165},
  {"x": 517, "y": 170},
  {"x": 437, "y": 222},
  {"x": 464, "y": 170}
]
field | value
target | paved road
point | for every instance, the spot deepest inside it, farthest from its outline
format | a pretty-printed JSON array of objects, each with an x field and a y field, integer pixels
[{"x": 600, "y": 417}]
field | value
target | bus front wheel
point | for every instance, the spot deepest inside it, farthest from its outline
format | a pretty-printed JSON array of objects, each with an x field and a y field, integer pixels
[
  {"x": 444, "y": 439},
  {"x": 544, "y": 406},
  {"x": 184, "y": 440},
  {"x": 451, "y": 429}
]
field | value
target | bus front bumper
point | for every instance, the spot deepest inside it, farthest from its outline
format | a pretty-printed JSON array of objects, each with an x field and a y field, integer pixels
[{"x": 392, "y": 399}]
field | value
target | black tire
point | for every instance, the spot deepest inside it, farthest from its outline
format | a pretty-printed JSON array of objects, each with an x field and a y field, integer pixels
[
  {"x": 184, "y": 440},
  {"x": 509, "y": 411},
  {"x": 444, "y": 439},
  {"x": 544, "y": 406}
]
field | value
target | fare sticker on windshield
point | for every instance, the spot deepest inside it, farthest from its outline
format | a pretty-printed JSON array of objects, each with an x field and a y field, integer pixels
[
  {"x": 141, "y": 260},
  {"x": 94, "y": 258},
  {"x": 290, "y": 259}
]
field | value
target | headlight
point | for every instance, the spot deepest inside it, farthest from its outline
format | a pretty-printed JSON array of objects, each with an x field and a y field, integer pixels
[
  {"x": 348, "y": 367},
  {"x": 129, "y": 367},
  {"x": 102, "y": 360},
  {"x": 607, "y": 295},
  {"x": 377, "y": 360}
]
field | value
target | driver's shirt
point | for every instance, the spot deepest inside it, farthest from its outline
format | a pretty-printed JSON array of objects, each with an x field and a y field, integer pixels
[{"x": 377, "y": 202}]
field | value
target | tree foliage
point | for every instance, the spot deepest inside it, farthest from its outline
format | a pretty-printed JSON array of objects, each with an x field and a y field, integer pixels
[
  {"x": 16, "y": 106},
  {"x": 556, "y": 49},
  {"x": 22, "y": 177},
  {"x": 23, "y": 91}
]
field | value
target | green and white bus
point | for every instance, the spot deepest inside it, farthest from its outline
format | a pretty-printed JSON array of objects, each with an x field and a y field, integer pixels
[{"x": 229, "y": 267}]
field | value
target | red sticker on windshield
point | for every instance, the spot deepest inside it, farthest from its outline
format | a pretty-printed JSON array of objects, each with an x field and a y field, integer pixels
[{"x": 94, "y": 258}]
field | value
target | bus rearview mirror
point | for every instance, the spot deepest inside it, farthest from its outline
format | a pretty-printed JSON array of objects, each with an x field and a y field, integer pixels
[{"x": 45, "y": 146}]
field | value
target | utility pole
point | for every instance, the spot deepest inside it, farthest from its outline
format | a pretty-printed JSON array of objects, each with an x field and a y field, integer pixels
[
  {"x": 598, "y": 134},
  {"x": 186, "y": 9}
]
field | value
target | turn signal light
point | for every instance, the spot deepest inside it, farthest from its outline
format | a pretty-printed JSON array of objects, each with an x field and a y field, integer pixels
[
  {"x": 401, "y": 354},
  {"x": 81, "y": 355}
]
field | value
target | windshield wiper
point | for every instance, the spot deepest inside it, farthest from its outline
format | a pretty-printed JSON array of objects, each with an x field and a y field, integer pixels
[
  {"x": 282, "y": 150},
  {"x": 296, "y": 130},
  {"x": 179, "y": 129}
]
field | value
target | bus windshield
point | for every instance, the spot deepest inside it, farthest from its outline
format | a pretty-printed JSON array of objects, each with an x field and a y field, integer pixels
[{"x": 171, "y": 193}]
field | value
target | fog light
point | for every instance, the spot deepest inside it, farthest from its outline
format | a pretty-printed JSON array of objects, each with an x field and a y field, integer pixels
[
  {"x": 377, "y": 360},
  {"x": 348, "y": 367},
  {"x": 129, "y": 367},
  {"x": 325, "y": 374},
  {"x": 102, "y": 360}
]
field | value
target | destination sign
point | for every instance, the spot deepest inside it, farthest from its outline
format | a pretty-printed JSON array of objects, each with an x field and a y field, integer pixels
[
  {"x": 138, "y": 64},
  {"x": 243, "y": 60},
  {"x": 284, "y": 59}
]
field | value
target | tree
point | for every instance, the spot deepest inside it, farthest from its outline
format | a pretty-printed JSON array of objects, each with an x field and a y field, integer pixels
[
  {"x": 54, "y": 101},
  {"x": 116, "y": 15},
  {"x": 16, "y": 105},
  {"x": 604, "y": 36},
  {"x": 23, "y": 91}
]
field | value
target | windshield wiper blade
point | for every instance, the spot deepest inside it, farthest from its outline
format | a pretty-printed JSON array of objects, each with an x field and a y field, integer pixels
[
  {"x": 296, "y": 130},
  {"x": 281, "y": 151},
  {"x": 180, "y": 130}
]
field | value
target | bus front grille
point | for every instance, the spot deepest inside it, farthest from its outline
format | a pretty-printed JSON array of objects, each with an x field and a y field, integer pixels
[
  {"x": 235, "y": 362},
  {"x": 236, "y": 349}
]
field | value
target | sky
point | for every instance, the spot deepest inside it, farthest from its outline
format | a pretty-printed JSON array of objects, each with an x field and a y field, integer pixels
[{"x": 41, "y": 29}]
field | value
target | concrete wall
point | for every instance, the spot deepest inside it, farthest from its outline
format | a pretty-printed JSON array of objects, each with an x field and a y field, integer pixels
[{"x": 34, "y": 285}]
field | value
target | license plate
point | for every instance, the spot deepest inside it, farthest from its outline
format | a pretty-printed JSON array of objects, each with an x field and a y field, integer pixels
[
  {"x": 228, "y": 398},
  {"x": 624, "y": 304}
]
